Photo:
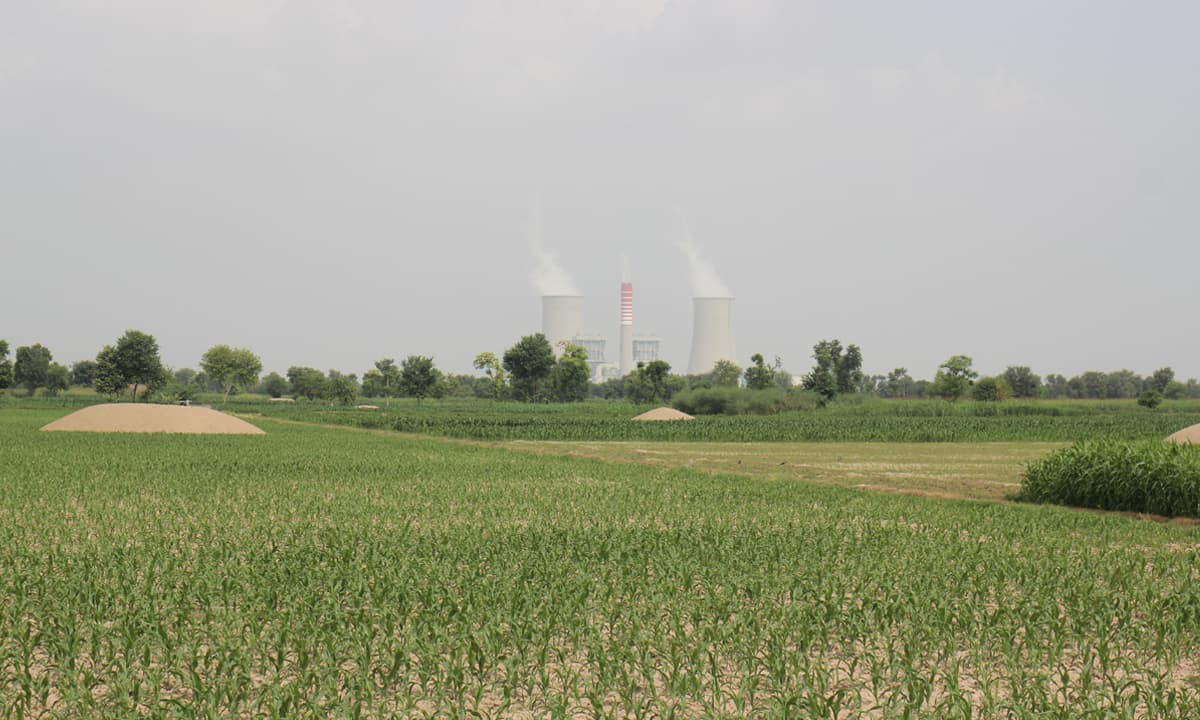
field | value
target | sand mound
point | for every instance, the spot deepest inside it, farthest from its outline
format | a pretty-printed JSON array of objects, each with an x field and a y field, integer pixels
[
  {"x": 1186, "y": 435},
  {"x": 664, "y": 413},
  {"x": 366, "y": 407},
  {"x": 144, "y": 418}
]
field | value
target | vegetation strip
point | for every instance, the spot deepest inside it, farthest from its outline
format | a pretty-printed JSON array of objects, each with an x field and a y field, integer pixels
[{"x": 312, "y": 573}]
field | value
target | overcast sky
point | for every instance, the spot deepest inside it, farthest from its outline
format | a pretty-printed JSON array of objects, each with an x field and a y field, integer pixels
[{"x": 329, "y": 183}]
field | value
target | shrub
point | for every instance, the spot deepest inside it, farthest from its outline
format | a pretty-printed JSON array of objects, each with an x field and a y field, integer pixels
[{"x": 1151, "y": 477}]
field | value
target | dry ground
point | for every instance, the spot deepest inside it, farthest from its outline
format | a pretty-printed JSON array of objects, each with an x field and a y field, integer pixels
[{"x": 974, "y": 471}]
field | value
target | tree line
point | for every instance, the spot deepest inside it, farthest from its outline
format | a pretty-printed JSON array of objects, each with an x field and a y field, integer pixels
[{"x": 532, "y": 371}]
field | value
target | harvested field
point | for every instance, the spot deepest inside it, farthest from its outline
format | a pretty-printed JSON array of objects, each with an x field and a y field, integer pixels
[{"x": 144, "y": 418}]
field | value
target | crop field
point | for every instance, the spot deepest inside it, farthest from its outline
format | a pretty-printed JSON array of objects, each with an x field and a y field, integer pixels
[
  {"x": 879, "y": 422},
  {"x": 320, "y": 572}
]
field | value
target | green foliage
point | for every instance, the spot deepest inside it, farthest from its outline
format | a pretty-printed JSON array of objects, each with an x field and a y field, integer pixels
[
  {"x": 307, "y": 382},
  {"x": 744, "y": 401},
  {"x": 275, "y": 385},
  {"x": 954, "y": 377},
  {"x": 529, "y": 364},
  {"x": 33, "y": 362},
  {"x": 834, "y": 372},
  {"x": 137, "y": 363},
  {"x": 341, "y": 388},
  {"x": 418, "y": 377},
  {"x": 725, "y": 373},
  {"x": 652, "y": 383},
  {"x": 318, "y": 573},
  {"x": 1150, "y": 399},
  {"x": 232, "y": 368},
  {"x": 1151, "y": 477},
  {"x": 1160, "y": 379},
  {"x": 58, "y": 378},
  {"x": 897, "y": 384},
  {"x": 571, "y": 375},
  {"x": 107, "y": 379},
  {"x": 991, "y": 389},
  {"x": 759, "y": 376},
  {"x": 6, "y": 368},
  {"x": 82, "y": 373},
  {"x": 1023, "y": 382},
  {"x": 493, "y": 369}
]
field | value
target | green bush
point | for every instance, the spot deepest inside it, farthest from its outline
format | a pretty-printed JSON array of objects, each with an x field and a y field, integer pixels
[{"x": 1149, "y": 477}]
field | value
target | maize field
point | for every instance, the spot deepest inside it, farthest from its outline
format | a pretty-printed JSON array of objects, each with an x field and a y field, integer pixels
[{"x": 316, "y": 572}]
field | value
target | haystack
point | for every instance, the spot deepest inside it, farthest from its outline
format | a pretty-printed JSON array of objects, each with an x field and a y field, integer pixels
[
  {"x": 1186, "y": 435},
  {"x": 663, "y": 413},
  {"x": 145, "y": 418}
]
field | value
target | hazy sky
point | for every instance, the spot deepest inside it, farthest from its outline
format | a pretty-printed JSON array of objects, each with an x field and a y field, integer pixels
[{"x": 329, "y": 183}]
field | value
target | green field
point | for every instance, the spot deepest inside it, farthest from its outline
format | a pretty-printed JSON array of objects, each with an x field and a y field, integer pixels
[{"x": 321, "y": 572}]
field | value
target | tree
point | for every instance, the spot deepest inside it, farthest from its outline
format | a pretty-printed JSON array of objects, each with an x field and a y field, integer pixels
[
  {"x": 6, "y": 368},
  {"x": 848, "y": 371},
  {"x": 954, "y": 377},
  {"x": 58, "y": 378},
  {"x": 418, "y": 377},
  {"x": 898, "y": 384},
  {"x": 758, "y": 375},
  {"x": 571, "y": 375},
  {"x": 1158, "y": 380},
  {"x": 725, "y": 373},
  {"x": 652, "y": 383},
  {"x": 107, "y": 379},
  {"x": 341, "y": 388},
  {"x": 991, "y": 389},
  {"x": 1122, "y": 384},
  {"x": 1023, "y": 381},
  {"x": 494, "y": 371},
  {"x": 1150, "y": 399},
  {"x": 1057, "y": 386},
  {"x": 33, "y": 362},
  {"x": 529, "y": 364},
  {"x": 138, "y": 363},
  {"x": 389, "y": 377},
  {"x": 835, "y": 371},
  {"x": 275, "y": 385},
  {"x": 82, "y": 372},
  {"x": 233, "y": 368},
  {"x": 307, "y": 382}
]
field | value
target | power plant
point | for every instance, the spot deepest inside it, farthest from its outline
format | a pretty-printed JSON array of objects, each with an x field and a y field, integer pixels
[
  {"x": 712, "y": 333},
  {"x": 712, "y": 328},
  {"x": 626, "y": 366},
  {"x": 562, "y": 319}
]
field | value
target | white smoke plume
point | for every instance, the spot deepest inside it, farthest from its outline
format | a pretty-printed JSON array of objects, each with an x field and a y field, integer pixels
[
  {"x": 626, "y": 275},
  {"x": 549, "y": 278},
  {"x": 705, "y": 281}
]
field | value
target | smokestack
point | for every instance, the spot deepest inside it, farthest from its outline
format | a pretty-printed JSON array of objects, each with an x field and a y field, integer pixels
[
  {"x": 712, "y": 333},
  {"x": 562, "y": 318},
  {"x": 626, "y": 365}
]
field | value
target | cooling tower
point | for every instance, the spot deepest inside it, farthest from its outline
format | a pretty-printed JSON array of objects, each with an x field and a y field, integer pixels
[
  {"x": 712, "y": 333},
  {"x": 626, "y": 365},
  {"x": 562, "y": 318}
]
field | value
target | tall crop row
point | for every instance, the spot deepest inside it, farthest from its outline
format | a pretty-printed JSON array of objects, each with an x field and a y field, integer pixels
[
  {"x": 1153, "y": 477},
  {"x": 321, "y": 573},
  {"x": 512, "y": 422}
]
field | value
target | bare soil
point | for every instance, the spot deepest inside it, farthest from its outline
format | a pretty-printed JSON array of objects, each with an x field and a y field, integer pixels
[{"x": 146, "y": 418}]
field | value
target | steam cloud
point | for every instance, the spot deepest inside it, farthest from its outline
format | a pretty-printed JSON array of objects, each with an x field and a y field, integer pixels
[
  {"x": 705, "y": 281},
  {"x": 549, "y": 278}
]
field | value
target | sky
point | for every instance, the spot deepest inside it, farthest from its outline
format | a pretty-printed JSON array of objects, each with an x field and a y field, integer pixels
[{"x": 332, "y": 182}]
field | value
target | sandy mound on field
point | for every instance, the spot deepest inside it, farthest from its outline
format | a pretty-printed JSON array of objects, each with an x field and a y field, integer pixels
[
  {"x": 144, "y": 418},
  {"x": 664, "y": 413},
  {"x": 1186, "y": 435}
]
